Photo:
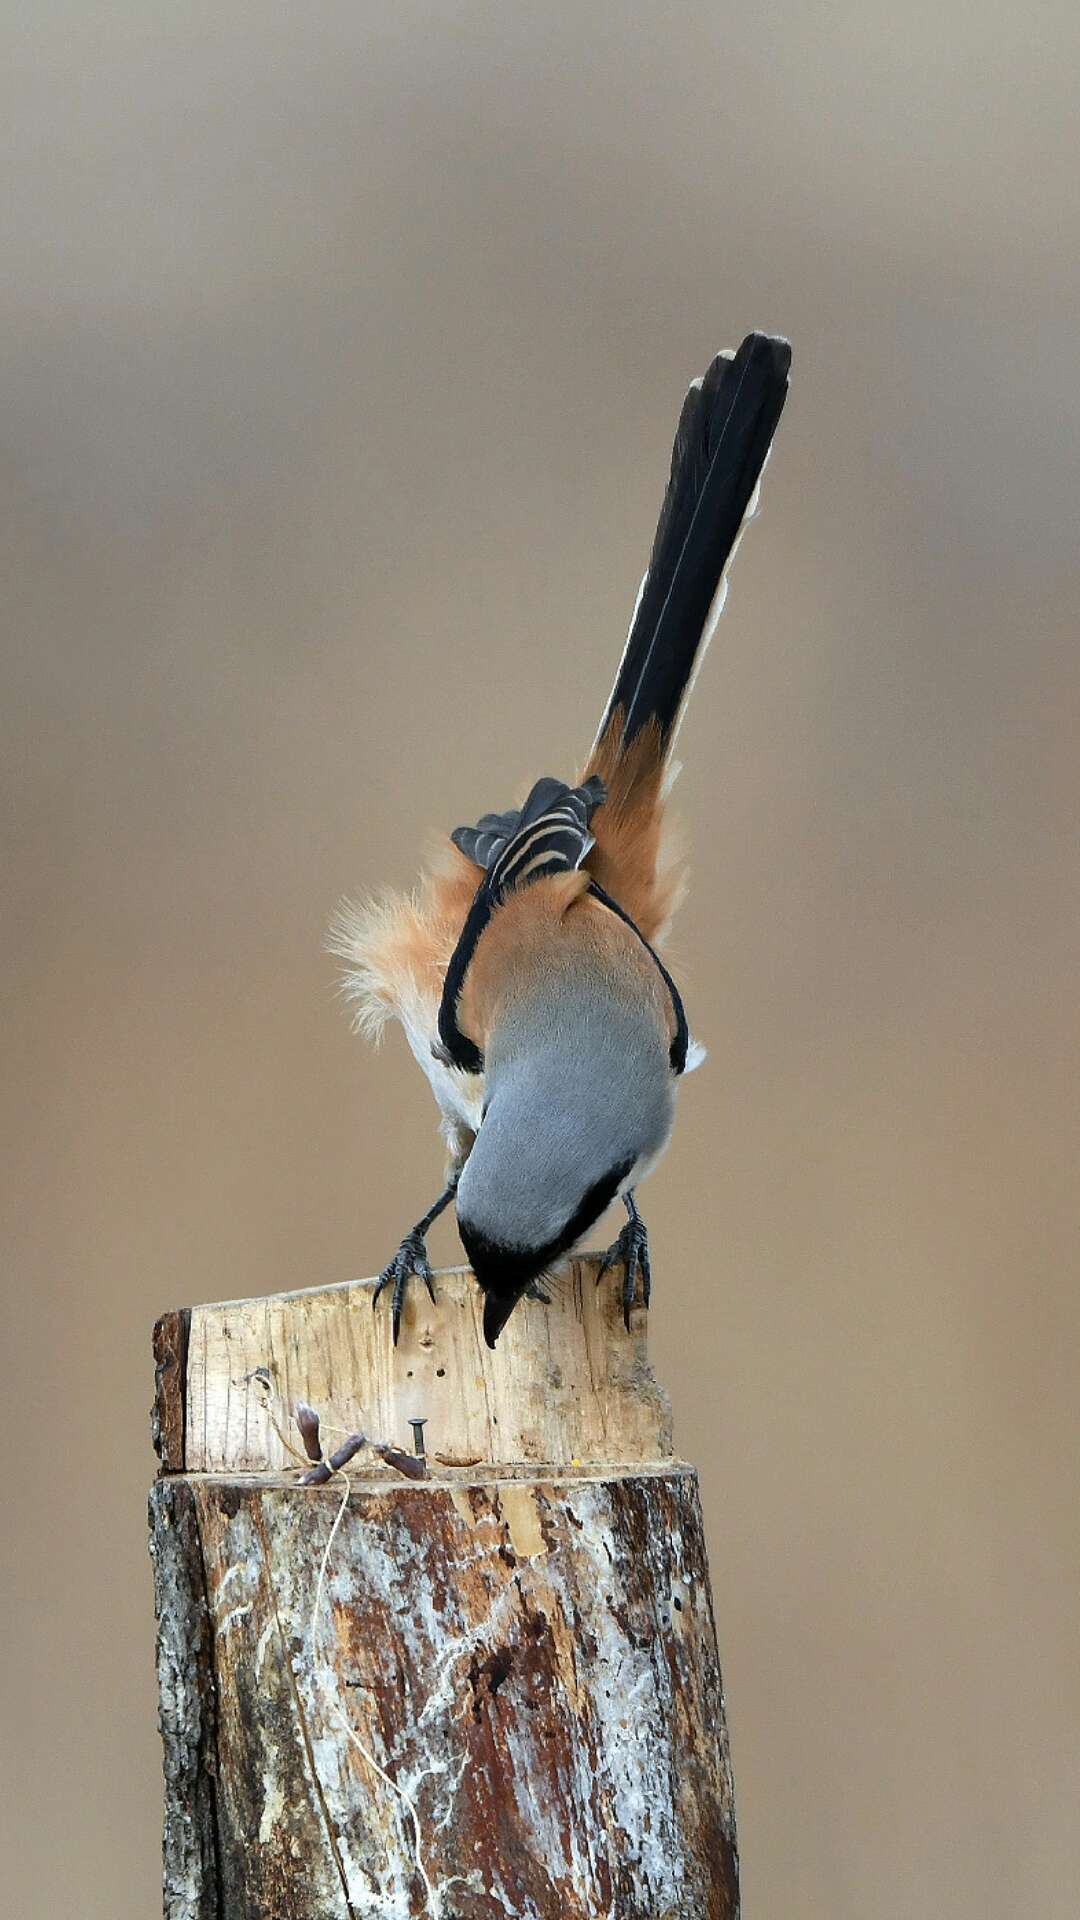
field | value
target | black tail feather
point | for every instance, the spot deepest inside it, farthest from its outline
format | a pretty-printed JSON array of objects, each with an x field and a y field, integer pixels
[{"x": 724, "y": 434}]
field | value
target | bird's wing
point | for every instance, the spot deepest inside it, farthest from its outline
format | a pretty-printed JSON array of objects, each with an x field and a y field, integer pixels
[
  {"x": 549, "y": 834},
  {"x": 547, "y": 837}
]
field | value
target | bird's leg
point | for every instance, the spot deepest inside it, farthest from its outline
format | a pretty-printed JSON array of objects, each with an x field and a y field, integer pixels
[
  {"x": 632, "y": 1248},
  {"x": 412, "y": 1258}
]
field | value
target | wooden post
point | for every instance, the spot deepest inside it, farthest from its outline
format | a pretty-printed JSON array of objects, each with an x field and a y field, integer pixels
[{"x": 501, "y": 1700}]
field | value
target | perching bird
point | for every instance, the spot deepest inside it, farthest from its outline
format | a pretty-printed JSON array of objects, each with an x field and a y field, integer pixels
[{"x": 525, "y": 972}]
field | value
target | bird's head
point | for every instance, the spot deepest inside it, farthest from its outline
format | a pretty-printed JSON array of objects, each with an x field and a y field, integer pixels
[
  {"x": 506, "y": 1266},
  {"x": 565, "y": 1130}
]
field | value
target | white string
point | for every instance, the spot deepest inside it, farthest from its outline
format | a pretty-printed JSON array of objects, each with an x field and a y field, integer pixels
[
  {"x": 429, "y": 1891},
  {"x": 434, "y": 1903},
  {"x": 336, "y": 1472}
]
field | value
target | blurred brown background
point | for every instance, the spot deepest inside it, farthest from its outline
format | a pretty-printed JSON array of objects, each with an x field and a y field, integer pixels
[{"x": 340, "y": 350}]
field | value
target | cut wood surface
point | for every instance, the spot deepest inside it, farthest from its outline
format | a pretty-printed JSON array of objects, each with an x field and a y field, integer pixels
[
  {"x": 489, "y": 1694},
  {"x": 566, "y": 1382}
]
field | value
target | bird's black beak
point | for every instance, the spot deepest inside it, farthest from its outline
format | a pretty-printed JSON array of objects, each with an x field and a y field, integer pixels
[{"x": 497, "y": 1310}]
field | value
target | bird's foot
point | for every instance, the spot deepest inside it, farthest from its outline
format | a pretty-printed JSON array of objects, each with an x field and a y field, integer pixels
[
  {"x": 631, "y": 1250},
  {"x": 410, "y": 1259},
  {"x": 534, "y": 1291}
]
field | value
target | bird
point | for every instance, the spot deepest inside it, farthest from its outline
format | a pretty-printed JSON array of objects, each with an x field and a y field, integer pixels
[{"x": 526, "y": 969}]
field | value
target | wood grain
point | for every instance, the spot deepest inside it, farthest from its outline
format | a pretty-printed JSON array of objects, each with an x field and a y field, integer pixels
[
  {"x": 531, "y": 1661},
  {"x": 507, "y": 1703},
  {"x": 566, "y": 1382}
]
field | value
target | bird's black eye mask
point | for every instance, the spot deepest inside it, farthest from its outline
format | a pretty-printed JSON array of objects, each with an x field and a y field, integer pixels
[
  {"x": 549, "y": 835},
  {"x": 507, "y": 1270}
]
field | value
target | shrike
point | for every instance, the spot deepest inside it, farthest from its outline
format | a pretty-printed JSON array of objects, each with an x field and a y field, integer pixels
[{"x": 525, "y": 971}]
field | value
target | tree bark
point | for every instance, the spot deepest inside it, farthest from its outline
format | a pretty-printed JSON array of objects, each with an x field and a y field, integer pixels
[{"x": 499, "y": 1699}]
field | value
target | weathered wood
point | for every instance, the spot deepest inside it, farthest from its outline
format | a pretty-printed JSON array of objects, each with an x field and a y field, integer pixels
[
  {"x": 186, "y": 1713},
  {"x": 506, "y": 1704},
  {"x": 567, "y": 1382},
  {"x": 170, "y": 1389},
  {"x": 531, "y": 1662}
]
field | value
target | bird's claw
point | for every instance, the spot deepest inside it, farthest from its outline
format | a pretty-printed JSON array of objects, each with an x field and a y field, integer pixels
[
  {"x": 630, "y": 1249},
  {"x": 411, "y": 1258}
]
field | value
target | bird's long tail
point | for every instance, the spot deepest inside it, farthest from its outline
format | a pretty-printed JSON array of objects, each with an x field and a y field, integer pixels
[
  {"x": 722, "y": 443},
  {"x": 723, "y": 439}
]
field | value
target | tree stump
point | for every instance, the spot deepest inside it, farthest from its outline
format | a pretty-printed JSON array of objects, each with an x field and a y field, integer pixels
[{"x": 497, "y": 1697}]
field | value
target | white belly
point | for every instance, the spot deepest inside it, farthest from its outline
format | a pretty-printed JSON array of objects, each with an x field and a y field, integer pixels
[{"x": 460, "y": 1095}]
